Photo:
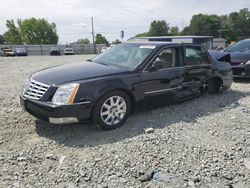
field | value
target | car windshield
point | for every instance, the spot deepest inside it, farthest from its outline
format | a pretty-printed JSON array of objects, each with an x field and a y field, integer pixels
[
  {"x": 125, "y": 55},
  {"x": 240, "y": 46}
]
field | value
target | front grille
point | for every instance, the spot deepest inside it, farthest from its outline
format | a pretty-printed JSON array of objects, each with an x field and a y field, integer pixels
[{"x": 35, "y": 90}]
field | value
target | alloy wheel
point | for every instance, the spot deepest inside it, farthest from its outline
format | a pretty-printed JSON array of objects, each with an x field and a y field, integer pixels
[{"x": 113, "y": 110}]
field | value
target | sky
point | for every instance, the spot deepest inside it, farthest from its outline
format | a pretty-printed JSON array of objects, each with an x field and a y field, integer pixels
[{"x": 73, "y": 17}]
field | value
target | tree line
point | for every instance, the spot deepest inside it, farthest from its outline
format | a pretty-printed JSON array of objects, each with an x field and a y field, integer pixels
[
  {"x": 233, "y": 27},
  {"x": 37, "y": 32}
]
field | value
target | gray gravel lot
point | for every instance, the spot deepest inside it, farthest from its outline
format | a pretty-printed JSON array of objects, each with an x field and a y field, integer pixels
[{"x": 204, "y": 142}]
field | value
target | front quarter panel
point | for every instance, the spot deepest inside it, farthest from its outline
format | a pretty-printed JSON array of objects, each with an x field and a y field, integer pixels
[{"x": 94, "y": 90}]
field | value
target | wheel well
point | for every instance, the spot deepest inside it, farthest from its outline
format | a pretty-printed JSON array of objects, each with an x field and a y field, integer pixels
[{"x": 132, "y": 98}]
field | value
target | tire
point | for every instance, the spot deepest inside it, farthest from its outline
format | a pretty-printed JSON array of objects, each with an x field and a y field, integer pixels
[
  {"x": 214, "y": 86},
  {"x": 112, "y": 110}
]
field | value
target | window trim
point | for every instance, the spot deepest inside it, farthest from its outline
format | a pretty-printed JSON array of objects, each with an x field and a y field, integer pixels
[
  {"x": 179, "y": 47},
  {"x": 201, "y": 47}
]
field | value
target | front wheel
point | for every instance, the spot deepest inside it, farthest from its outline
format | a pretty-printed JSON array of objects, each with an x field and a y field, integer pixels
[{"x": 112, "y": 110}]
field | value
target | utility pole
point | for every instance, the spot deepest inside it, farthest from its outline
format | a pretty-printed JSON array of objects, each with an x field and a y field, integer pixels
[
  {"x": 220, "y": 31},
  {"x": 93, "y": 34},
  {"x": 182, "y": 23}
]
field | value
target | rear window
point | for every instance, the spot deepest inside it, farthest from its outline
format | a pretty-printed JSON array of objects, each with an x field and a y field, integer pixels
[{"x": 195, "y": 55}]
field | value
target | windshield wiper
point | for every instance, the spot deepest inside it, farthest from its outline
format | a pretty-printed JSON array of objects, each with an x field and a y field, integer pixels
[{"x": 102, "y": 63}]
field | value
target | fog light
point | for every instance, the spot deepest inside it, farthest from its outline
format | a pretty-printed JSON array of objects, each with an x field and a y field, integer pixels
[{"x": 64, "y": 120}]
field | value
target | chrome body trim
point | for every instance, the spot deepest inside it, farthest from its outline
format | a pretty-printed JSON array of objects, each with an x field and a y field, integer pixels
[{"x": 162, "y": 90}]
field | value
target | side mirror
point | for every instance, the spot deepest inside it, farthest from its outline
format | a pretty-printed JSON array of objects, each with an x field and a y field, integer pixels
[{"x": 156, "y": 65}]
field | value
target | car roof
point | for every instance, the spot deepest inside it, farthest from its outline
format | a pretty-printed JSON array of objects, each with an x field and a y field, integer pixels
[{"x": 158, "y": 43}]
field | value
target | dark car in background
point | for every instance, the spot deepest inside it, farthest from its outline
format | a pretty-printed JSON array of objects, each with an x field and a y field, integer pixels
[
  {"x": 21, "y": 52},
  {"x": 124, "y": 78},
  {"x": 240, "y": 58},
  {"x": 6, "y": 52},
  {"x": 55, "y": 51}
]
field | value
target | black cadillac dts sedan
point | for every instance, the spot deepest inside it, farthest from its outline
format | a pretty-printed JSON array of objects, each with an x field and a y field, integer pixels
[{"x": 110, "y": 86}]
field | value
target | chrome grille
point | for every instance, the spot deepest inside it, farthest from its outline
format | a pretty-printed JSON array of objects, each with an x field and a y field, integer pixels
[{"x": 35, "y": 90}]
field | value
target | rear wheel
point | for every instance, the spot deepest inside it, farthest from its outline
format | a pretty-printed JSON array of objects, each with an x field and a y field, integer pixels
[
  {"x": 214, "y": 86},
  {"x": 112, "y": 110}
]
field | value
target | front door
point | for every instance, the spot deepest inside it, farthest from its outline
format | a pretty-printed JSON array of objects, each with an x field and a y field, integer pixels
[{"x": 162, "y": 78}]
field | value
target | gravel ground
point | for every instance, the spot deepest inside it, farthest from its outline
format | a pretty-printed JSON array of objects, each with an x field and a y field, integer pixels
[{"x": 204, "y": 142}]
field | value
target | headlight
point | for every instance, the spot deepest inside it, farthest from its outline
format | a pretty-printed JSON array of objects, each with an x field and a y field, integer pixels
[
  {"x": 248, "y": 62},
  {"x": 25, "y": 86},
  {"x": 65, "y": 94}
]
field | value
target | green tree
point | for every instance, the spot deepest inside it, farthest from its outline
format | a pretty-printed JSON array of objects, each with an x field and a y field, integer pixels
[
  {"x": 12, "y": 35},
  {"x": 83, "y": 41},
  {"x": 101, "y": 39},
  {"x": 186, "y": 31},
  {"x": 203, "y": 24},
  {"x": 174, "y": 31},
  {"x": 38, "y": 31},
  {"x": 2, "y": 39},
  {"x": 117, "y": 41},
  {"x": 236, "y": 25},
  {"x": 31, "y": 31},
  {"x": 159, "y": 28}
]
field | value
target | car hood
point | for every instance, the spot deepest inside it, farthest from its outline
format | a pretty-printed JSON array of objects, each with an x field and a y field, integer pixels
[
  {"x": 236, "y": 58},
  {"x": 239, "y": 57},
  {"x": 75, "y": 72}
]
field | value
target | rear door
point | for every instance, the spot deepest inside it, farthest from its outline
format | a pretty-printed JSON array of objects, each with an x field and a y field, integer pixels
[{"x": 197, "y": 67}]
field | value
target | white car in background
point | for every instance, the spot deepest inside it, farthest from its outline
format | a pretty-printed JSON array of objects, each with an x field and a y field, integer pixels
[
  {"x": 105, "y": 48},
  {"x": 69, "y": 51}
]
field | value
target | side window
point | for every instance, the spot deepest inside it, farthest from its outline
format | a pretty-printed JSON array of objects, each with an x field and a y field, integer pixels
[
  {"x": 195, "y": 55},
  {"x": 168, "y": 58},
  {"x": 205, "y": 58}
]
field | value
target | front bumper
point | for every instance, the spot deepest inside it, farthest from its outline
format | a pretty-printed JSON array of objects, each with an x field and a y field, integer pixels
[
  {"x": 241, "y": 71},
  {"x": 57, "y": 114}
]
